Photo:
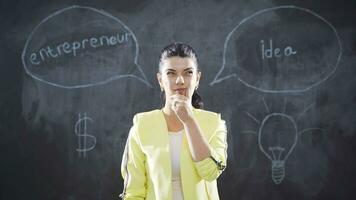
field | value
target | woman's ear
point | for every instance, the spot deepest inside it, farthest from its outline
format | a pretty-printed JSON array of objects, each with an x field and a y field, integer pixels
[
  {"x": 198, "y": 77},
  {"x": 159, "y": 79}
]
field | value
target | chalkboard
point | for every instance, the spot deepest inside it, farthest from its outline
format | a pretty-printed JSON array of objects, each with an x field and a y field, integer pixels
[{"x": 281, "y": 73}]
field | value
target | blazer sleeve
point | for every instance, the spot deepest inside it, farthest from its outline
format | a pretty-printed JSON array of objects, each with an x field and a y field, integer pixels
[
  {"x": 211, "y": 167},
  {"x": 133, "y": 167}
]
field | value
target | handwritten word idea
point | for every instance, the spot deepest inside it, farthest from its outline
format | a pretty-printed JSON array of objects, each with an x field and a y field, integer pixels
[{"x": 271, "y": 52}]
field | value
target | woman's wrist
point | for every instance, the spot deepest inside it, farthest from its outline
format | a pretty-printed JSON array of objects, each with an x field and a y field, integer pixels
[{"x": 188, "y": 122}]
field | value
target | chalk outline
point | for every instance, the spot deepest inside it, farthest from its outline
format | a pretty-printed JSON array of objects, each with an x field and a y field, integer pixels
[
  {"x": 278, "y": 165},
  {"x": 102, "y": 12},
  {"x": 218, "y": 80},
  {"x": 260, "y": 133},
  {"x": 78, "y": 133}
]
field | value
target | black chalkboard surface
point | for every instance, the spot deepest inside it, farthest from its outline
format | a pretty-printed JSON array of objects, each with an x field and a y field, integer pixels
[{"x": 281, "y": 73}]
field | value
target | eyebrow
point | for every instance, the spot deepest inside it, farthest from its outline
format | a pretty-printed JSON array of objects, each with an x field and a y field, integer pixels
[{"x": 183, "y": 70}]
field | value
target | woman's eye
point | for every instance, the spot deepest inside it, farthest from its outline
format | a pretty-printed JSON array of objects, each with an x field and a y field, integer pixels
[{"x": 189, "y": 72}]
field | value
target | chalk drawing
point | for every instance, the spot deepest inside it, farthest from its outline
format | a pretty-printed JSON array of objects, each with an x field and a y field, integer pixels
[
  {"x": 277, "y": 137},
  {"x": 81, "y": 131},
  {"x": 271, "y": 54},
  {"x": 56, "y": 58}
]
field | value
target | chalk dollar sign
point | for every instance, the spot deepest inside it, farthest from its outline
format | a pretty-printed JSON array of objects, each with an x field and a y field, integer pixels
[{"x": 81, "y": 132}]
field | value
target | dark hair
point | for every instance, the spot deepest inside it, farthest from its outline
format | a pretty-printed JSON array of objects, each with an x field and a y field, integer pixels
[{"x": 181, "y": 50}]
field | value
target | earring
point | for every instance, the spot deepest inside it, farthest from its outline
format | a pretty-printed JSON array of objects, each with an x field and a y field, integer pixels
[
  {"x": 196, "y": 87},
  {"x": 161, "y": 89}
]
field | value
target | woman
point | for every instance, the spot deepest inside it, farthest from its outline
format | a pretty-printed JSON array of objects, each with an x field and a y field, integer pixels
[{"x": 179, "y": 151}]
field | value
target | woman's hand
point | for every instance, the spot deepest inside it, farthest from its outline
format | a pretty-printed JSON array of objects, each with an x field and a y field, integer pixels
[{"x": 181, "y": 107}]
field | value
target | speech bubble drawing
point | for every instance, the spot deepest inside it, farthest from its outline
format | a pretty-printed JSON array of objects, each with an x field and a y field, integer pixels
[
  {"x": 281, "y": 50},
  {"x": 79, "y": 47}
]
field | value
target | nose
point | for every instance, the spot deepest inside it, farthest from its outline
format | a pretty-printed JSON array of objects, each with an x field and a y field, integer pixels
[{"x": 180, "y": 80}]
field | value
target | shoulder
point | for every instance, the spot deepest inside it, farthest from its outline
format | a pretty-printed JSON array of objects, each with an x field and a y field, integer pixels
[
  {"x": 142, "y": 116},
  {"x": 155, "y": 117},
  {"x": 198, "y": 113},
  {"x": 210, "y": 122},
  {"x": 212, "y": 119},
  {"x": 148, "y": 120},
  {"x": 207, "y": 114}
]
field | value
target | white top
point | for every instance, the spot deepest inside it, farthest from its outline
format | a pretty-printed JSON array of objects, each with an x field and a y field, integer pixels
[{"x": 175, "y": 141}]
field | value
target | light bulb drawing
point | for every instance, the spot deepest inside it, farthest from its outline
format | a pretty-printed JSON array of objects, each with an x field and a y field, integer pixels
[
  {"x": 274, "y": 150},
  {"x": 277, "y": 138}
]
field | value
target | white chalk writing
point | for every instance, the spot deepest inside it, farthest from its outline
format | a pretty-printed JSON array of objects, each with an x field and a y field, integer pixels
[{"x": 73, "y": 47}]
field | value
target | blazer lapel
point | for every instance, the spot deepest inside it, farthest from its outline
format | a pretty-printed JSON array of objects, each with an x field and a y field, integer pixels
[{"x": 164, "y": 157}]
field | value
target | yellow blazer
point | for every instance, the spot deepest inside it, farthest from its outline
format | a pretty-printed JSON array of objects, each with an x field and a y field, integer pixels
[{"x": 146, "y": 163}]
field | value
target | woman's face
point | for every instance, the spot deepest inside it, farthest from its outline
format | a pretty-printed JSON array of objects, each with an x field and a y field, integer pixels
[{"x": 178, "y": 75}]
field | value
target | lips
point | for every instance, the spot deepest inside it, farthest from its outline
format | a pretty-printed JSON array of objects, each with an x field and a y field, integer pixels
[{"x": 181, "y": 91}]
